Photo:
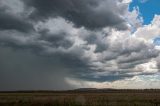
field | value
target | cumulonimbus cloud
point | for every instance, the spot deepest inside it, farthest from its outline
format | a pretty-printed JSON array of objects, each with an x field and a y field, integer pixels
[{"x": 78, "y": 39}]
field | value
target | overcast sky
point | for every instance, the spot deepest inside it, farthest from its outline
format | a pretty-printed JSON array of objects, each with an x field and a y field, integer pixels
[{"x": 68, "y": 44}]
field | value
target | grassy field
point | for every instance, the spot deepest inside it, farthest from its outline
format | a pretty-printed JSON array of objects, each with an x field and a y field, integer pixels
[{"x": 87, "y": 98}]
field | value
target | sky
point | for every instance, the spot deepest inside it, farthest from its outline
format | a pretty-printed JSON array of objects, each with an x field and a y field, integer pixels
[
  {"x": 147, "y": 9},
  {"x": 69, "y": 44}
]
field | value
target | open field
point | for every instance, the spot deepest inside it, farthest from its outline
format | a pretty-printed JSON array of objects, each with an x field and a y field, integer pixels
[{"x": 82, "y": 98}]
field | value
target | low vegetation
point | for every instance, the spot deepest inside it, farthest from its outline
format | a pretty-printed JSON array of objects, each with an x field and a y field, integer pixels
[{"x": 82, "y": 98}]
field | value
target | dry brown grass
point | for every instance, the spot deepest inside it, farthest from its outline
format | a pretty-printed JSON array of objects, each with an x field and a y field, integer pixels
[{"x": 81, "y": 99}]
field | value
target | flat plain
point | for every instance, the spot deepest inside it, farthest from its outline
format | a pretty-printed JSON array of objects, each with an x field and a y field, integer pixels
[{"x": 81, "y": 98}]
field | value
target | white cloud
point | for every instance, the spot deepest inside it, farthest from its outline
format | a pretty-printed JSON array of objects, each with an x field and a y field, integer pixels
[
  {"x": 149, "y": 32},
  {"x": 150, "y": 67},
  {"x": 143, "y": 1},
  {"x": 126, "y": 1},
  {"x": 137, "y": 82},
  {"x": 123, "y": 50},
  {"x": 134, "y": 19}
]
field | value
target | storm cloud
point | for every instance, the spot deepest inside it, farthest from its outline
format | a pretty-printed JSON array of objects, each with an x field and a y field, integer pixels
[
  {"x": 46, "y": 43},
  {"x": 91, "y": 14}
]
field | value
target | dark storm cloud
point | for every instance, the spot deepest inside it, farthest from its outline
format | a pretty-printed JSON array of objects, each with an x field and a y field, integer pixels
[
  {"x": 97, "y": 39},
  {"x": 158, "y": 62},
  {"x": 11, "y": 22},
  {"x": 143, "y": 54},
  {"x": 92, "y": 14},
  {"x": 23, "y": 70},
  {"x": 56, "y": 40},
  {"x": 131, "y": 52},
  {"x": 109, "y": 78}
]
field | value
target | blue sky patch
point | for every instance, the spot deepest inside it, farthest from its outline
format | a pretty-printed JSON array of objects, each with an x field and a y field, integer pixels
[
  {"x": 147, "y": 8},
  {"x": 157, "y": 41}
]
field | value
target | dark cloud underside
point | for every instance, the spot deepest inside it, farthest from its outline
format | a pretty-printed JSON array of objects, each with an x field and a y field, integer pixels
[
  {"x": 92, "y": 14},
  {"x": 44, "y": 42}
]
